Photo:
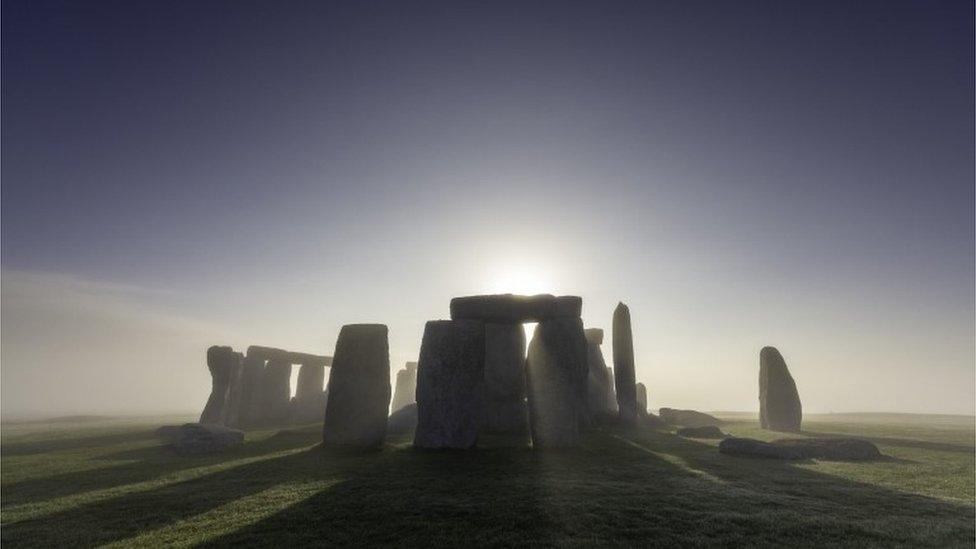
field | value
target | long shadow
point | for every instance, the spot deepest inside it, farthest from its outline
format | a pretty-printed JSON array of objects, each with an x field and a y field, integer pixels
[
  {"x": 61, "y": 444},
  {"x": 901, "y": 442},
  {"x": 140, "y": 464}
]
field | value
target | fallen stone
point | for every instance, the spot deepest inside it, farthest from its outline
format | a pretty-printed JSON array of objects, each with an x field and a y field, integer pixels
[
  {"x": 403, "y": 421},
  {"x": 450, "y": 384},
  {"x": 556, "y": 372},
  {"x": 204, "y": 438},
  {"x": 168, "y": 433},
  {"x": 623, "y": 364},
  {"x": 406, "y": 388},
  {"x": 359, "y": 388},
  {"x": 841, "y": 449},
  {"x": 706, "y": 431},
  {"x": 513, "y": 309},
  {"x": 224, "y": 364},
  {"x": 779, "y": 401},
  {"x": 688, "y": 418}
]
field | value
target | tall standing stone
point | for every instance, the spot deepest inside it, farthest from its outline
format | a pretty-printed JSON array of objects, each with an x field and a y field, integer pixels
[
  {"x": 641, "y": 399},
  {"x": 623, "y": 364},
  {"x": 359, "y": 388},
  {"x": 598, "y": 379},
  {"x": 556, "y": 370},
  {"x": 277, "y": 390},
  {"x": 223, "y": 363},
  {"x": 235, "y": 392},
  {"x": 252, "y": 391},
  {"x": 505, "y": 410},
  {"x": 779, "y": 401},
  {"x": 611, "y": 392},
  {"x": 311, "y": 380},
  {"x": 405, "y": 392},
  {"x": 450, "y": 384}
]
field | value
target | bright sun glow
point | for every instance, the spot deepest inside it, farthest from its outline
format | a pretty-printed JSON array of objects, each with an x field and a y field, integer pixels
[{"x": 522, "y": 279}]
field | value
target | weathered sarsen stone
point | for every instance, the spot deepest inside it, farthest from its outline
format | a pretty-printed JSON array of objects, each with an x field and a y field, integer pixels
[
  {"x": 359, "y": 388},
  {"x": 235, "y": 393},
  {"x": 406, "y": 387},
  {"x": 779, "y": 402},
  {"x": 505, "y": 410},
  {"x": 598, "y": 378},
  {"x": 556, "y": 371},
  {"x": 224, "y": 364},
  {"x": 277, "y": 390},
  {"x": 641, "y": 399},
  {"x": 513, "y": 309},
  {"x": 450, "y": 384},
  {"x": 252, "y": 392},
  {"x": 623, "y": 364}
]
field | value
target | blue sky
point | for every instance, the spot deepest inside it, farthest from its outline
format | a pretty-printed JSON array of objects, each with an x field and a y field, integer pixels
[{"x": 741, "y": 174}]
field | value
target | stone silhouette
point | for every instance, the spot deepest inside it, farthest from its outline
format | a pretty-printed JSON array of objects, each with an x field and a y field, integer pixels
[
  {"x": 406, "y": 387},
  {"x": 611, "y": 391},
  {"x": 623, "y": 364},
  {"x": 556, "y": 371},
  {"x": 779, "y": 402},
  {"x": 505, "y": 410},
  {"x": 277, "y": 390},
  {"x": 224, "y": 365},
  {"x": 598, "y": 382},
  {"x": 403, "y": 421},
  {"x": 513, "y": 309},
  {"x": 310, "y": 399},
  {"x": 450, "y": 384},
  {"x": 252, "y": 394},
  {"x": 641, "y": 399},
  {"x": 235, "y": 393},
  {"x": 359, "y": 388}
]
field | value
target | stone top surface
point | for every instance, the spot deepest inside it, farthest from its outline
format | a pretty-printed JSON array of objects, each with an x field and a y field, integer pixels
[{"x": 511, "y": 308}]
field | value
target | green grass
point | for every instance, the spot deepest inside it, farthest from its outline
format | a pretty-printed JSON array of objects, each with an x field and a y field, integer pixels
[{"x": 104, "y": 482}]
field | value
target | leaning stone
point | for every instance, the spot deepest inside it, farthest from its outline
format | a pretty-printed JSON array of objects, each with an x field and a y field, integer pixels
[
  {"x": 623, "y": 364},
  {"x": 204, "y": 438},
  {"x": 707, "y": 431},
  {"x": 406, "y": 388},
  {"x": 748, "y": 447},
  {"x": 556, "y": 370},
  {"x": 223, "y": 363},
  {"x": 688, "y": 418},
  {"x": 779, "y": 401},
  {"x": 846, "y": 449},
  {"x": 277, "y": 390},
  {"x": 450, "y": 384},
  {"x": 513, "y": 309},
  {"x": 403, "y": 421},
  {"x": 359, "y": 388}
]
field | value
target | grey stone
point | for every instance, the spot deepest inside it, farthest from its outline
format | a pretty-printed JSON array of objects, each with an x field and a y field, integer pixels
[
  {"x": 251, "y": 409},
  {"x": 450, "y": 384},
  {"x": 403, "y": 421},
  {"x": 506, "y": 416},
  {"x": 611, "y": 391},
  {"x": 268, "y": 353},
  {"x": 706, "y": 431},
  {"x": 598, "y": 382},
  {"x": 309, "y": 408},
  {"x": 235, "y": 393},
  {"x": 504, "y": 362},
  {"x": 406, "y": 388},
  {"x": 641, "y": 399},
  {"x": 688, "y": 418},
  {"x": 411, "y": 366},
  {"x": 224, "y": 364},
  {"x": 204, "y": 438},
  {"x": 623, "y": 364},
  {"x": 513, "y": 309},
  {"x": 779, "y": 401},
  {"x": 307, "y": 359},
  {"x": 556, "y": 370},
  {"x": 277, "y": 390},
  {"x": 359, "y": 388}
]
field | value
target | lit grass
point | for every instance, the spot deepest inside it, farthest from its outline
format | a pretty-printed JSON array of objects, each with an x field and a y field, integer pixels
[{"x": 110, "y": 482}]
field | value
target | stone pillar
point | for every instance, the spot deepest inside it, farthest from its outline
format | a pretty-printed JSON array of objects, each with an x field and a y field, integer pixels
[
  {"x": 359, "y": 388},
  {"x": 311, "y": 380},
  {"x": 277, "y": 390},
  {"x": 611, "y": 392},
  {"x": 779, "y": 401},
  {"x": 222, "y": 362},
  {"x": 556, "y": 371},
  {"x": 406, "y": 387},
  {"x": 641, "y": 399},
  {"x": 623, "y": 364},
  {"x": 234, "y": 392},
  {"x": 597, "y": 380},
  {"x": 252, "y": 391},
  {"x": 505, "y": 409},
  {"x": 450, "y": 384}
]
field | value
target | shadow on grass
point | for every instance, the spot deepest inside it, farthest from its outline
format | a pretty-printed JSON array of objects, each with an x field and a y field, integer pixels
[
  {"x": 900, "y": 442},
  {"x": 61, "y": 444},
  {"x": 621, "y": 487}
]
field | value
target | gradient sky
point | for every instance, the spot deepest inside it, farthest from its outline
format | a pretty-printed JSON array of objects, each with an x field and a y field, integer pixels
[{"x": 180, "y": 174}]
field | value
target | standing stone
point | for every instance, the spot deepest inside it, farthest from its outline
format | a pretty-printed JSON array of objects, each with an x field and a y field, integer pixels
[
  {"x": 252, "y": 391},
  {"x": 450, "y": 384},
  {"x": 310, "y": 408},
  {"x": 597, "y": 380},
  {"x": 779, "y": 401},
  {"x": 623, "y": 364},
  {"x": 235, "y": 392},
  {"x": 311, "y": 380},
  {"x": 505, "y": 410},
  {"x": 556, "y": 370},
  {"x": 641, "y": 399},
  {"x": 359, "y": 388},
  {"x": 611, "y": 392},
  {"x": 222, "y": 362},
  {"x": 277, "y": 390},
  {"x": 406, "y": 387}
]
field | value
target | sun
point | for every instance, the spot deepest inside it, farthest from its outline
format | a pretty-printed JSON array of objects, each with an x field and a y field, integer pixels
[{"x": 521, "y": 279}]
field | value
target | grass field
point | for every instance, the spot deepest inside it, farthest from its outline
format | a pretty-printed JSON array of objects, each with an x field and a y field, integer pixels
[{"x": 109, "y": 482}]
